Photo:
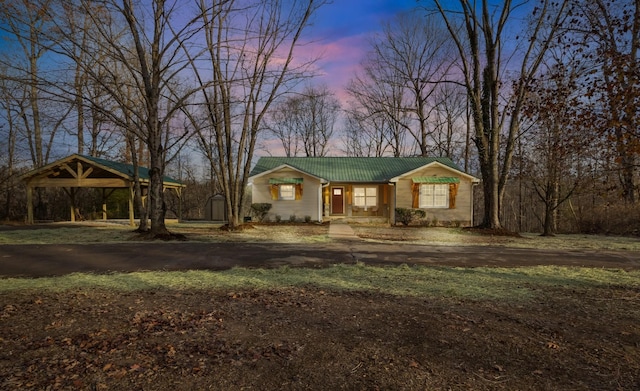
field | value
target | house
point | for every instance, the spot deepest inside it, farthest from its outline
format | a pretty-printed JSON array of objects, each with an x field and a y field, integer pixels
[{"x": 325, "y": 188}]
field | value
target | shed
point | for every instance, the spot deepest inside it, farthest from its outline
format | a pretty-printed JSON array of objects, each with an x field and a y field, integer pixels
[
  {"x": 215, "y": 209},
  {"x": 78, "y": 171}
]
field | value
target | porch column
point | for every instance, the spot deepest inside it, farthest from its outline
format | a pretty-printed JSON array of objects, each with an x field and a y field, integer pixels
[{"x": 320, "y": 202}]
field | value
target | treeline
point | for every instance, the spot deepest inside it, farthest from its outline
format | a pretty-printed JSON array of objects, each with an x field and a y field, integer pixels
[{"x": 539, "y": 99}]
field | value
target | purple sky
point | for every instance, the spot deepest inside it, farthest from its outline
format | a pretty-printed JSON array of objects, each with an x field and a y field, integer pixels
[{"x": 340, "y": 31}]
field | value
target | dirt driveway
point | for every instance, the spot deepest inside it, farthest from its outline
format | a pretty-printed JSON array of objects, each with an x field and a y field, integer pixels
[{"x": 60, "y": 259}]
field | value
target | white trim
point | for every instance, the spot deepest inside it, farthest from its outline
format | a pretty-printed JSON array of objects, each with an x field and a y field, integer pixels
[
  {"x": 292, "y": 197},
  {"x": 437, "y": 164},
  {"x": 421, "y": 192},
  {"x": 320, "y": 203}
]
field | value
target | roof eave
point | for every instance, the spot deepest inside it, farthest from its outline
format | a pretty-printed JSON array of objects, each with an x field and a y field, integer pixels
[
  {"x": 267, "y": 172},
  {"x": 437, "y": 163}
]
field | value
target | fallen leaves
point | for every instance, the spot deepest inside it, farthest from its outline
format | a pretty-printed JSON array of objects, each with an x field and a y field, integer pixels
[
  {"x": 303, "y": 338},
  {"x": 553, "y": 345}
]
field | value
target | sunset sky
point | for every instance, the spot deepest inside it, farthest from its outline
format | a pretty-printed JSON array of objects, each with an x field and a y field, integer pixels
[{"x": 340, "y": 31}]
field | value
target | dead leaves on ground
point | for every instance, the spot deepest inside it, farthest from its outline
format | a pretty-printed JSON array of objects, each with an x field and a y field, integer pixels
[
  {"x": 154, "y": 340},
  {"x": 171, "y": 340}
]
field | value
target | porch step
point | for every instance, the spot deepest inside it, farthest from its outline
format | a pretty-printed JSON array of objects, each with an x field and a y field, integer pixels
[{"x": 339, "y": 229}]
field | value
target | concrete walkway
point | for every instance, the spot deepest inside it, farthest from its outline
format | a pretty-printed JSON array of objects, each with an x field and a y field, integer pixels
[{"x": 339, "y": 229}]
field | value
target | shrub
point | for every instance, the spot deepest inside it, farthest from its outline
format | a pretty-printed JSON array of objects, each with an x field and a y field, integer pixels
[
  {"x": 406, "y": 216},
  {"x": 260, "y": 210},
  {"x": 307, "y": 219},
  {"x": 278, "y": 218},
  {"x": 292, "y": 218}
]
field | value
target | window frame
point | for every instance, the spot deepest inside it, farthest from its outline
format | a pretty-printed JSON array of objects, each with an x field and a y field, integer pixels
[
  {"x": 427, "y": 200},
  {"x": 291, "y": 197},
  {"x": 365, "y": 196}
]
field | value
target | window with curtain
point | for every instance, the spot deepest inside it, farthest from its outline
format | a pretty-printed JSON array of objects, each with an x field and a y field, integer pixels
[
  {"x": 434, "y": 195},
  {"x": 287, "y": 192},
  {"x": 365, "y": 196}
]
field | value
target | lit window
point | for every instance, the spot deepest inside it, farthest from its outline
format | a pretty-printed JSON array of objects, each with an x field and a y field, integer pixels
[
  {"x": 434, "y": 196},
  {"x": 365, "y": 196},
  {"x": 287, "y": 192}
]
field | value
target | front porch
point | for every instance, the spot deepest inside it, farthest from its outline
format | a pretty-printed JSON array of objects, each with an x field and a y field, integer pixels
[{"x": 361, "y": 202}]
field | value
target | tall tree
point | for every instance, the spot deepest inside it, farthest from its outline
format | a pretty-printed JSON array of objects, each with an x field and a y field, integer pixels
[
  {"x": 27, "y": 24},
  {"x": 371, "y": 134},
  {"x": 306, "y": 122},
  {"x": 556, "y": 138},
  {"x": 480, "y": 36},
  {"x": 9, "y": 114},
  {"x": 377, "y": 106},
  {"x": 250, "y": 54},
  {"x": 401, "y": 73},
  {"x": 608, "y": 35},
  {"x": 449, "y": 129},
  {"x": 139, "y": 47}
]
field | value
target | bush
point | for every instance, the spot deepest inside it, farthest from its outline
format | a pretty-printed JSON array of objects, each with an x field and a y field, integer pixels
[
  {"x": 307, "y": 219},
  {"x": 278, "y": 218},
  {"x": 260, "y": 210},
  {"x": 293, "y": 218},
  {"x": 406, "y": 216}
]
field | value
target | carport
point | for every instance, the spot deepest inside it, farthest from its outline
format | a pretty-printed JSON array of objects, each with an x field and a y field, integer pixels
[{"x": 81, "y": 171}]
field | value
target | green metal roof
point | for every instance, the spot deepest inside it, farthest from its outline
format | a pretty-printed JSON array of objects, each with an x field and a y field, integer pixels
[
  {"x": 435, "y": 179},
  {"x": 127, "y": 169},
  {"x": 351, "y": 169}
]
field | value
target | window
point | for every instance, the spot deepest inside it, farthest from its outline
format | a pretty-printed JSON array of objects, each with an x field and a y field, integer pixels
[
  {"x": 434, "y": 196},
  {"x": 365, "y": 197},
  {"x": 287, "y": 192}
]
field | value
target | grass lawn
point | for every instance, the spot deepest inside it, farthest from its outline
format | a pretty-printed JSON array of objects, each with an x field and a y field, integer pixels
[{"x": 97, "y": 232}]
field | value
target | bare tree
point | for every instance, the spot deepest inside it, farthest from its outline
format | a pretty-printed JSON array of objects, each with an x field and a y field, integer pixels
[
  {"x": 556, "y": 138},
  {"x": 377, "y": 110},
  {"x": 306, "y": 122},
  {"x": 608, "y": 35},
  {"x": 9, "y": 113},
  {"x": 449, "y": 125},
  {"x": 480, "y": 35},
  {"x": 367, "y": 135},
  {"x": 401, "y": 74},
  {"x": 139, "y": 47},
  {"x": 249, "y": 50},
  {"x": 284, "y": 126},
  {"x": 28, "y": 24}
]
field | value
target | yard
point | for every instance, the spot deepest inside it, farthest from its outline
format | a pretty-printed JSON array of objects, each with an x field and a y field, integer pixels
[{"x": 351, "y": 327}]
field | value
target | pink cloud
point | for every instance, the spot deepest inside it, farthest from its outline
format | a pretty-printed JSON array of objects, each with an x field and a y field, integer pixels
[{"x": 338, "y": 60}]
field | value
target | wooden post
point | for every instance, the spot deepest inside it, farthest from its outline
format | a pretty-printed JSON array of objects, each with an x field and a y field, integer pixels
[
  {"x": 179, "y": 191},
  {"x": 72, "y": 195},
  {"x": 29, "y": 204},
  {"x": 104, "y": 204}
]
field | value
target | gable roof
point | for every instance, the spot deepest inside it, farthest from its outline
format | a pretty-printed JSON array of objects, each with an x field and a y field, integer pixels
[
  {"x": 127, "y": 169},
  {"x": 351, "y": 169},
  {"x": 101, "y": 168}
]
